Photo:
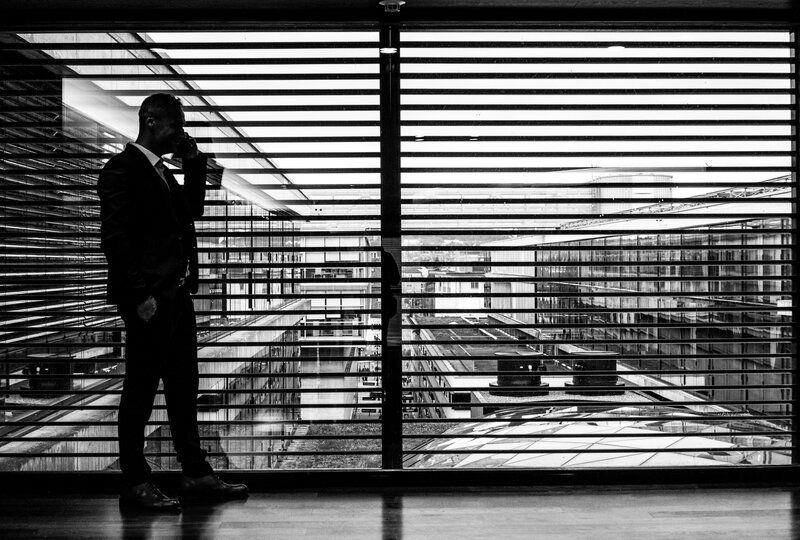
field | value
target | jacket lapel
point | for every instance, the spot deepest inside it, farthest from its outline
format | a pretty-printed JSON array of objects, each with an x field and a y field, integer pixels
[
  {"x": 156, "y": 186},
  {"x": 173, "y": 184},
  {"x": 147, "y": 169},
  {"x": 181, "y": 207}
]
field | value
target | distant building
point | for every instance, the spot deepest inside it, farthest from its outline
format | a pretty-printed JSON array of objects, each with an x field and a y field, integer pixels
[{"x": 667, "y": 275}]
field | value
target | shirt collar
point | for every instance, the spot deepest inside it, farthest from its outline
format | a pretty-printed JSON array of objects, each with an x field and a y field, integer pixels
[{"x": 151, "y": 157}]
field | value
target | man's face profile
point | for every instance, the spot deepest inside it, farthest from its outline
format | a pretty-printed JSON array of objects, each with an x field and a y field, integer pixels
[{"x": 167, "y": 129}]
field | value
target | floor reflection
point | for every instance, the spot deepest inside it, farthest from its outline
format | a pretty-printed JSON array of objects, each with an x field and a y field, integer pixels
[
  {"x": 601, "y": 512},
  {"x": 794, "y": 517},
  {"x": 139, "y": 524},
  {"x": 198, "y": 519},
  {"x": 392, "y": 515}
]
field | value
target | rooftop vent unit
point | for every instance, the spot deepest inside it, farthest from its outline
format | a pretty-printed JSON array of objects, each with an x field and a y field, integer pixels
[
  {"x": 526, "y": 366},
  {"x": 584, "y": 381}
]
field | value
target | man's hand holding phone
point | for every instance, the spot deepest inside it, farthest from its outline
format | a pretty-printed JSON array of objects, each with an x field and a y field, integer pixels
[
  {"x": 147, "y": 309},
  {"x": 186, "y": 148}
]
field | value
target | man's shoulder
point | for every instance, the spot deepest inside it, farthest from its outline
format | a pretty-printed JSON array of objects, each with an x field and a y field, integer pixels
[{"x": 124, "y": 160}]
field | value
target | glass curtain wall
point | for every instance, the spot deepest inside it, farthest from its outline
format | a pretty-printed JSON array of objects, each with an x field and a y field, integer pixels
[
  {"x": 287, "y": 309},
  {"x": 597, "y": 248}
]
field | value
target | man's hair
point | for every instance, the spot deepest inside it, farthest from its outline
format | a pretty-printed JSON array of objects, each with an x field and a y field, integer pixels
[{"x": 158, "y": 106}]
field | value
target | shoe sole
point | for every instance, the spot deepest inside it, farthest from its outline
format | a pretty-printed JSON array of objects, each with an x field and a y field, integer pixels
[
  {"x": 133, "y": 507},
  {"x": 211, "y": 497}
]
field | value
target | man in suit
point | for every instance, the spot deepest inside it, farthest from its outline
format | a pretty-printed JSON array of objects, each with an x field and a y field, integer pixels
[{"x": 148, "y": 236}]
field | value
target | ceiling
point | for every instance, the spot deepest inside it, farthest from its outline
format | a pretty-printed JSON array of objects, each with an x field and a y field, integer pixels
[{"x": 54, "y": 12}]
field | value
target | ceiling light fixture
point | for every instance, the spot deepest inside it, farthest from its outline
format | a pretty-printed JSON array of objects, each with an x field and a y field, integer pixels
[{"x": 391, "y": 6}]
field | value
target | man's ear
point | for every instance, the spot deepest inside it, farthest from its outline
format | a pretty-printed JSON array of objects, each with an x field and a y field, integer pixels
[{"x": 150, "y": 121}]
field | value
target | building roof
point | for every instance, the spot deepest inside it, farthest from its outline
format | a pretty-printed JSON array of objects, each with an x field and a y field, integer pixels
[
  {"x": 731, "y": 203},
  {"x": 624, "y": 442}
]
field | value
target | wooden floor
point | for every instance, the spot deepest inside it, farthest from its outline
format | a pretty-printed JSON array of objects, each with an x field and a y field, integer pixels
[{"x": 464, "y": 513}]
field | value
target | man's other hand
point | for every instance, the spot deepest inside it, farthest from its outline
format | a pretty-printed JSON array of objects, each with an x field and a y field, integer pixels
[{"x": 147, "y": 309}]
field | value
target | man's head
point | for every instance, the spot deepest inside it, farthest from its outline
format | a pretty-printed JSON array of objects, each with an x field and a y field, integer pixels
[{"x": 161, "y": 123}]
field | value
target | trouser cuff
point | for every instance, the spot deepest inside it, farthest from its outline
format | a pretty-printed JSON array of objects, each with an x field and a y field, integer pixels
[{"x": 196, "y": 470}]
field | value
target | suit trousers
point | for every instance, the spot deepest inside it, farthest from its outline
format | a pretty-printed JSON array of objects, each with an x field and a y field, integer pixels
[{"x": 163, "y": 348}]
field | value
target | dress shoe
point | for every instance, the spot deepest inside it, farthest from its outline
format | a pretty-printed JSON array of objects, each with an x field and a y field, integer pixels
[
  {"x": 146, "y": 496},
  {"x": 211, "y": 487}
]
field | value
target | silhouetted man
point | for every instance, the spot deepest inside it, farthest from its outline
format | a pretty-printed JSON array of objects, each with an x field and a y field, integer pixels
[{"x": 148, "y": 237}]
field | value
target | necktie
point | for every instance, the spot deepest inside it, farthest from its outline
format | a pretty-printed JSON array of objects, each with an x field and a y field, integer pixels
[{"x": 159, "y": 166}]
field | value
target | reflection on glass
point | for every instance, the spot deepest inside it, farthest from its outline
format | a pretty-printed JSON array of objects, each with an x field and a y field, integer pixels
[
  {"x": 596, "y": 247},
  {"x": 287, "y": 312},
  {"x": 597, "y": 250}
]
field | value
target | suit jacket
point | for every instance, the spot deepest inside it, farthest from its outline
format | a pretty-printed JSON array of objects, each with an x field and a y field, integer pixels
[{"x": 147, "y": 228}]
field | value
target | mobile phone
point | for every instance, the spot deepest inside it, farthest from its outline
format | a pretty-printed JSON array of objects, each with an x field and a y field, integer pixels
[{"x": 184, "y": 146}]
